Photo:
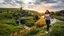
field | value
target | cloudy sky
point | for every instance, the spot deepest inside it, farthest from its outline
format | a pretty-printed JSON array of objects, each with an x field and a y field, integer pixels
[{"x": 33, "y": 4}]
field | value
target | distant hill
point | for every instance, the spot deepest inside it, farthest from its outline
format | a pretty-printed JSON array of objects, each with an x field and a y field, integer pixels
[{"x": 10, "y": 9}]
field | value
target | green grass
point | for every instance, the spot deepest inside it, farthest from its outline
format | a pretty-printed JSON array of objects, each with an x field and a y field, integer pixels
[
  {"x": 8, "y": 21},
  {"x": 32, "y": 32},
  {"x": 57, "y": 29},
  {"x": 8, "y": 24},
  {"x": 29, "y": 21},
  {"x": 6, "y": 30},
  {"x": 58, "y": 17}
]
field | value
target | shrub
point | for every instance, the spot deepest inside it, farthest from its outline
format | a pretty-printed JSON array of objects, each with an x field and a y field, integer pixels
[
  {"x": 6, "y": 30},
  {"x": 8, "y": 21},
  {"x": 29, "y": 23},
  {"x": 2, "y": 15},
  {"x": 9, "y": 15}
]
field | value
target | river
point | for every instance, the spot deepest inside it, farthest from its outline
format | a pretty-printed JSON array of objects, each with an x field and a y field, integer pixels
[{"x": 52, "y": 22}]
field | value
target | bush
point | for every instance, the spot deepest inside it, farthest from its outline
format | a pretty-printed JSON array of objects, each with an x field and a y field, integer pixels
[
  {"x": 8, "y": 21},
  {"x": 2, "y": 15},
  {"x": 58, "y": 29},
  {"x": 5, "y": 15},
  {"x": 9, "y": 16},
  {"x": 6, "y": 30},
  {"x": 30, "y": 23}
]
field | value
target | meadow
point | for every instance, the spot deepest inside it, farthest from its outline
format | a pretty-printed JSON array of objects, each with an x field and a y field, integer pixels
[{"x": 8, "y": 23}]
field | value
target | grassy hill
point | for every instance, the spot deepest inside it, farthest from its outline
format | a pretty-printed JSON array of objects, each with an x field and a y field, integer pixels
[{"x": 8, "y": 23}]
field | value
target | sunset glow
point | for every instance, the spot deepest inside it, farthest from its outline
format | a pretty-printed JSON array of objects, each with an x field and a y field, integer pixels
[{"x": 41, "y": 11}]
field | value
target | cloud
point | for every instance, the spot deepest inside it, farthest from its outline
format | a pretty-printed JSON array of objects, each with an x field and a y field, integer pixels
[
  {"x": 10, "y": 3},
  {"x": 48, "y": 4},
  {"x": 46, "y": 1},
  {"x": 51, "y": 4},
  {"x": 13, "y": 3}
]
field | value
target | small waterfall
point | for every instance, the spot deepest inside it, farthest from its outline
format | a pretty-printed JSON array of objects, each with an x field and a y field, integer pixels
[
  {"x": 20, "y": 24},
  {"x": 26, "y": 26}
]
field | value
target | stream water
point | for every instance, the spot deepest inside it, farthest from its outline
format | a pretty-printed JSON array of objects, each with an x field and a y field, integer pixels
[{"x": 52, "y": 22}]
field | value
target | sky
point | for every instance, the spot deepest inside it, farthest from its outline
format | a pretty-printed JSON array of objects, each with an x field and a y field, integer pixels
[{"x": 38, "y": 5}]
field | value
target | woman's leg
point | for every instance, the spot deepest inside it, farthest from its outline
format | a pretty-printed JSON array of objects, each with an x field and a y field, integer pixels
[
  {"x": 48, "y": 24},
  {"x": 47, "y": 27}
]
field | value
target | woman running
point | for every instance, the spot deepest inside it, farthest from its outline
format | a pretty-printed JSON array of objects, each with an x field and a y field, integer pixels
[{"x": 47, "y": 16}]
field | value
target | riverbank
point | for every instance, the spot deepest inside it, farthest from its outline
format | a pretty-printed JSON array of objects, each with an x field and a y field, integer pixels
[
  {"x": 58, "y": 17},
  {"x": 52, "y": 22},
  {"x": 57, "y": 29}
]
